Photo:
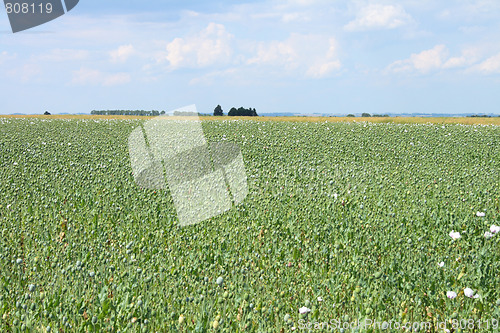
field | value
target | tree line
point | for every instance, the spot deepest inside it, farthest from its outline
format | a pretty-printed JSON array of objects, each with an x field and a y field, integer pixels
[
  {"x": 365, "y": 115},
  {"x": 126, "y": 112},
  {"x": 236, "y": 112},
  {"x": 242, "y": 112}
]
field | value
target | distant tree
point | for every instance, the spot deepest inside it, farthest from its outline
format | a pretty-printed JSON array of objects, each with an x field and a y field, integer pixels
[
  {"x": 351, "y": 115},
  {"x": 365, "y": 114},
  {"x": 233, "y": 112},
  {"x": 46, "y": 113},
  {"x": 218, "y": 111},
  {"x": 479, "y": 116},
  {"x": 242, "y": 112},
  {"x": 162, "y": 113}
]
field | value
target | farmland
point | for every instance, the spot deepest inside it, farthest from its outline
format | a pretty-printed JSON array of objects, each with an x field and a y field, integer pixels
[{"x": 350, "y": 220}]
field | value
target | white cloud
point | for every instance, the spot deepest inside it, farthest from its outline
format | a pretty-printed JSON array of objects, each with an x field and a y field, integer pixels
[
  {"x": 285, "y": 17},
  {"x": 377, "y": 16},
  {"x": 422, "y": 62},
  {"x": 303, "y": 3},
  {"x": 214, "y": 76},
  {"x": 26, "y": 73},
  {"x": 320, "y": 70},
  {"x": 489, "y": 66},
  {"x": 295, "y": 17},
  {"x": 437, "y": 59},
  {"x": 122, "y": 53},
  {"x": 313, "y": 55},
  {"x": 455, "y": 62},
  {"x": 471, "y": 10},
  {"x": 60, "y": 55},
  {"x": 86, "y": 76},
  {"x": 469, "y": 56},
  {"x": 211, "y": 46},
  {"x": 5, "y": 56}
]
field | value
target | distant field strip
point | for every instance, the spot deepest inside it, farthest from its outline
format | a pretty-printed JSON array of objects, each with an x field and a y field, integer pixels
[{"x": 395, "y": 120}]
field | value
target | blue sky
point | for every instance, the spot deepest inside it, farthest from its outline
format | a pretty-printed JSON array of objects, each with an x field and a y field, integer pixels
[{"x": 299, "y": 56}]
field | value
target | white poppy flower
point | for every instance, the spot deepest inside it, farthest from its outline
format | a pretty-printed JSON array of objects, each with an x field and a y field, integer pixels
[
  {"x": 494, "y": 229},
  {"x": 468, "y": 292},
  {"x": 441, "y": 264},
  {"x": 320, "y": 299},
  {"x": 304, "y": 309},
  {"x": 480, "y": 214},
  {"x": 454, "y": 234},
  {"x": 488, "y": 235},
  {"x": 451, "y": 294}
]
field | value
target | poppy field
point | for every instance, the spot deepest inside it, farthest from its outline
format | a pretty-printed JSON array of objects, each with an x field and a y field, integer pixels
[{"x": 343, "y": 222}]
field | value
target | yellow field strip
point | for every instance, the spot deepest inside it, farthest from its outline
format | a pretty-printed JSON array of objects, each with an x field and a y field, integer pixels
[{"x": 396, "y": 120}]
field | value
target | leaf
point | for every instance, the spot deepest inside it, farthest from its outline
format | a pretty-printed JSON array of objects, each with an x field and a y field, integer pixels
[{"x": 103, "y": 295}]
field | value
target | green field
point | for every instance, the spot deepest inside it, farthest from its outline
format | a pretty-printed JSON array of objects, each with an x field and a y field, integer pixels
[{"x": 349, "y": 220}]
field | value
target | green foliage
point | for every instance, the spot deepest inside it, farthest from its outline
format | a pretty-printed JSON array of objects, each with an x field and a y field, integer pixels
[
  {"x": 350, "y": 115},
  {"x": 218, "y": 111},
  {"x": 364, "y": 114},
  {"x": 330, "y": 214},
  {"x": 242, "y": 112}
]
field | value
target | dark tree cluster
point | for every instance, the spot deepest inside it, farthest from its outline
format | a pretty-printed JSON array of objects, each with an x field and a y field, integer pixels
[
  {"x": 126, "y": 112},
  {"x": 242, "y": 112},
  {"x": 218, "y": 111},
  {"x": 239, "y": 112},
  {"x": 366, "y": 115}
]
